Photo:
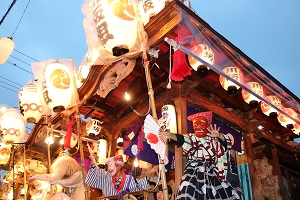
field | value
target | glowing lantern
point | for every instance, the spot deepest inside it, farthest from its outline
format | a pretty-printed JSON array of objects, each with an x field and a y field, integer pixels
[
  {"x": 56, "y": 86},
  {"x": 250, "y": 98},
  {"x": 73, "y": 141},
  {"x": 116, "y": 24},
  {"x": 31, "y": 164},
  {"x": 7, "y": 45},
  {"x": 168, "y": 120},
  {"x": 269, "y": 110},
  {"x": 93, "y": 126},
  {"x": 82, "y": 74},
  {"x": 3, "y": 108},
  {"x": 102, "y": 150},
  {"x": 13, "y": 127},
  {"x": 296, "y": 128},
  {"x": 4, "y": 153},
  {"x": 29, "y": 103},
  {"x": 285, "y": 120},
  {"x": 150, "y": 8},
  {"x": 234, "y": 73},
  {"x": 204, "y": 52}
]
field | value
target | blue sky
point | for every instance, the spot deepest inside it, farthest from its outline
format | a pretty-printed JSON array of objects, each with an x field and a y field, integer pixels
[{"x": 267, "y": 31}]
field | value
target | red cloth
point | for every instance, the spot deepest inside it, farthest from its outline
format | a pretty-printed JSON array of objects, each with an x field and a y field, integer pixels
[
  {"x": 180, "y": 67},
  {"x": 67, "y": 138}
]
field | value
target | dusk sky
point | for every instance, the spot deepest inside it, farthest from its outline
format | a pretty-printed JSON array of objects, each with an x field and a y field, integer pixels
[{"x": 267, "y": 31}]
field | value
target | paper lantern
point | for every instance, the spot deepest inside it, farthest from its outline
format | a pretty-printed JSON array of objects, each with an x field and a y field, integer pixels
[
  {"x": 102, "y": 150},
  {"x": 285, "y": 120},
  {"x": 7, "y": 45},
  {"x": 3, "y": 108},
  {"x": 29, "y": 103},
  {"x": 168, "y": 120},
  {"x": 73, "y": 141},
  {"x": 204, "y": 52},
  {"x": 13, "y": 127},
  {"x": 250, "y": 98},
  {"x": 150, "y": 8},
  {"x": 234, "y": 73},
  {"x": 296, "y": 128},
  {"x": 56, "y": 88},
  {"x": 93, "y": 126},
  {"x": 269, "y": 110},
  {"x": 116, "y": 24},
  {"x": 5, "y": 151},
  {"x": 31, "y": 164}
]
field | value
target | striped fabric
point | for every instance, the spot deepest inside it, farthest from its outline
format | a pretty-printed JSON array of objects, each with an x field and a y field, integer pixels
[
  {"x": 102, "y": 180},
  {"x": 204, "y": 177}
]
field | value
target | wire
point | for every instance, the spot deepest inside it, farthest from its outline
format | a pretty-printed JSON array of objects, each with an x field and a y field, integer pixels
[
  {"x": 9, "y": 84},
  {"x": 10, "y": 7},
  {"x": 8, "y": 88},
  {"x": 11, "y": 81},
  {"x": 20, "y": 60},
  {"x": 21, "y": 18},
  {"x": 25, "y": 55},
  {"x": 14, "y": 64}
]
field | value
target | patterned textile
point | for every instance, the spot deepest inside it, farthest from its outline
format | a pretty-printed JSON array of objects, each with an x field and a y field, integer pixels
[
  {"x": 205, "y": 175},
  {"x": 199, "y": 182},
  {"x": 102, "y": 180}
]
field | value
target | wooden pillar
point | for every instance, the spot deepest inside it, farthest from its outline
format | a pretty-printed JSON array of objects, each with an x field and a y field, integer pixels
[{"x": 277, "y": 171}]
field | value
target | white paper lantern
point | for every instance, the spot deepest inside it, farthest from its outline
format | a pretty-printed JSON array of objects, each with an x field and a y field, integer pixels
[
  {"x": 5, "y": 151},
  {"x": 29, "y": 103},
  {"x": 204, "y": 52},
  {"x": 234, "y": 73},
  {"x": 250, "y": 98},
  {"x": 7, "y": 45},
  {"x": 296, "y": 128},
  {"x": 269, "y": 110},
  {"x": 102, "y": 150},
  {"x": 116, "y": 23},
  {"x": 168, "y": 119},
  {"x": 150, "y": 8},
  {"x": 93, "y": 126},
  {"x": 13, "y": 127},
  {"x": 31, "y": 164},
  {"x": 285, "y": 120},
  {"x": 56, "y": 88}
]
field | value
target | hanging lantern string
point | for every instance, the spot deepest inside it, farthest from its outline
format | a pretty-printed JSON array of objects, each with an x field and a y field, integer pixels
[
  {"x": 186, "y": 51},
  {"x": 21, "y": 18}
]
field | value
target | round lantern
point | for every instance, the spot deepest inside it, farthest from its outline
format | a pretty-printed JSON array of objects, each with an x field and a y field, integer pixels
[
  {"x": 116, "y": 25},
  {"x": 7, "y": 45},
  {"x": 234, "y": 73},
  {"x": 73, "y": 141},
  {"x": 285, "y": 120},
  {"x": 269, "y": 110},
  {"x": 13, "y": 127},
  {"x": 29, "y": 103},
  {"x": 250, "y": 98},
  {"x": 93, "y": 126},
  {"x": 150, "y": 8},
  {"x": 31, "y": 164},
  {"x": 204, "y": 52},
  {"x": 168, "y": 120},
  {"x": 102, "y": 150},
  {"x": 5, "y": 151},
  {"x": 296, "y": 128},
  {"x": 56, "y": 88}
]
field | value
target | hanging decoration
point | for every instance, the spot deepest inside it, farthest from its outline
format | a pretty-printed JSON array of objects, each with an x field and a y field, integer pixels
[
  {"x": 204, "y": 52},
  {"x": 269, "y": 110},
  {"x": 29, "y": 103},
  {"x": 285, "y": 120},
  {"x": 93, "y": 126},
  {"x": 250, "y": 98},
  {"x": 7, "y": 45},
  {"x": 168, "y": 121},
  {"x": 234, "y": 73},
  {"x": 150, "y": 8},
  {"x": 102, "y": 151},
  {"x": 55, "y": 83},
  {"x": 296, "y": 128},
  {"x": 12, "y": 127},
  {"x": 5, "y": 151}
]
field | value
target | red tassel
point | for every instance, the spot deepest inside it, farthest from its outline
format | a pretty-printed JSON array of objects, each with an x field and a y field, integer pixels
[
  {"x": 180, "y": 67},
  {"x": 67, "y": 138}
]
